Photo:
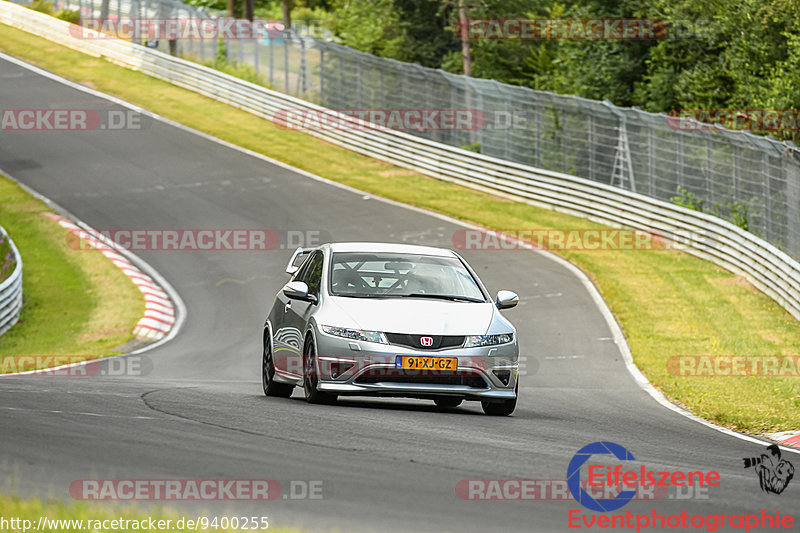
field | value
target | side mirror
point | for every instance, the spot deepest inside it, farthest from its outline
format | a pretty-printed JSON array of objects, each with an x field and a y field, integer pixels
[
  {"x": 506, "y": 299},
  {"x": 298, "y": 290}
]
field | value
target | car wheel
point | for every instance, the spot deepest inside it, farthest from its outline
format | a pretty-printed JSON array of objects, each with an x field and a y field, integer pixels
[
  {"x": 310, "y": 379},
  {"x": 271, "y": 387},
  {"x": 504, "y": 408},
  {"x": 447, "y": 401}
]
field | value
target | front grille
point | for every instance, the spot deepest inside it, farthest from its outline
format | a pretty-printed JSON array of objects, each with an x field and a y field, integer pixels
[
  {"x": 444, "y": 378},
  {"x": 440, "y": 342}
]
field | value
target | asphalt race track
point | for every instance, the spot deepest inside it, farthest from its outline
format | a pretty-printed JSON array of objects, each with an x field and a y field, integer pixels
[{"x": 385, "y": 465}]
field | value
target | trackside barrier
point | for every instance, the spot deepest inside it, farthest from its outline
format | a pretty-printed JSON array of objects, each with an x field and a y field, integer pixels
[
  {"x": 766, "y": 267},
  {"x": 11, "y": 287}
]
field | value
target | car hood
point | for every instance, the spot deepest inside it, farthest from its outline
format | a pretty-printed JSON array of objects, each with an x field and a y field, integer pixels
[{"x": 411, "y": 315}]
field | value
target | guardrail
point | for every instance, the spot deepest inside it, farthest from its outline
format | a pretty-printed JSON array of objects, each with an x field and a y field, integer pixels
[
  {"x": 11, "y": 288},
  {"x": 769, "y": 269}
]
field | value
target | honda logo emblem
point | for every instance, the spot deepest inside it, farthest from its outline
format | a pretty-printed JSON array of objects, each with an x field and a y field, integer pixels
[{"x": 426, "y": 341}]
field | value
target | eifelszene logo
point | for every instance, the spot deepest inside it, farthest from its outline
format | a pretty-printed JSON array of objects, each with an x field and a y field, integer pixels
[
  {"x": 574, "y": 477},
  {"x": 774, "y": 473},
  {"x": 622, "y": 476}
]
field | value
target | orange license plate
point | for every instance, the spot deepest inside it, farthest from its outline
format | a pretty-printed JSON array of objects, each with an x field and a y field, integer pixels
[{"x": 414, "y": 362}]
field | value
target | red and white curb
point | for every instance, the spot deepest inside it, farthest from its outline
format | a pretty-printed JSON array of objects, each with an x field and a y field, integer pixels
[
  {"x": 785, "y": 438},
  {"x": 159, "y": 312}
]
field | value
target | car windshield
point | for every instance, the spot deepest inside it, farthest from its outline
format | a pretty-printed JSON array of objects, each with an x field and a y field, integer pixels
[{"x": 392, "y": 275}]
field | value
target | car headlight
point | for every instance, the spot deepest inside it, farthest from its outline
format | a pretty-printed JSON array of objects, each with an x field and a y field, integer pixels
[
  {"x": 355, "y": 334},
  {"x": 488, "y": 340}
]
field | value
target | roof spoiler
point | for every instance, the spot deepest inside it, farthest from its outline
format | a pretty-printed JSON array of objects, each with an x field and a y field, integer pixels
[{"x": 291, "y": 268}]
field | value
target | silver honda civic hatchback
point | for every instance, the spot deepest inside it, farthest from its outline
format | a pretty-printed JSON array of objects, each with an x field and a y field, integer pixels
[{"x": 395, "y": 320}]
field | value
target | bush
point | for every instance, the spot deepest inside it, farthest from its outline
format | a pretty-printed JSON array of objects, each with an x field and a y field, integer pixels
[
  {"x": 72, "y": 16},
  {"x": 737, "y": 210},
  {"x": 43, "y": 6},
  {"x": 687, "y": 199},
  {"x": 474, "y": 147},
  {"x": 244, "y": 71}
]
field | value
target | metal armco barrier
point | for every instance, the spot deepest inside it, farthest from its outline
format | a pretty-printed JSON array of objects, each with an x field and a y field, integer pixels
[
  {"x": 11, "y": 287},
  {"x": 769, "y": 269}
]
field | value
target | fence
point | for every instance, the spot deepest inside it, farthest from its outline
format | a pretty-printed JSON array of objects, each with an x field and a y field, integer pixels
[
  {"x": 625, "y": 147},
  {"x": 280, "y": 58},
  {"x": 768, "y": 268},
  {"x": 10, "y": 282}
]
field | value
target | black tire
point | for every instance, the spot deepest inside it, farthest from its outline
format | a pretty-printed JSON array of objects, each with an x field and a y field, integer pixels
[
  {"x": 504, "y": 408},
  {"x": 268, "y": 383},
  {"x": 310, "y": 379},
  {"x": 447, "y": 402}
]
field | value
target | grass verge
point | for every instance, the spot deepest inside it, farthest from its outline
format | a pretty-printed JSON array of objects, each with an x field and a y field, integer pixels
[
  {"x": 73, "y": 303},
  {"x": 62, "y": 517},
  {"x": 668, "y": 303}
]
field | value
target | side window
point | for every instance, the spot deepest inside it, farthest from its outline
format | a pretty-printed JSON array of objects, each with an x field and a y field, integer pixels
[
  {"x": 301, "y": 274},
  {"x": 313, "y": 275}
]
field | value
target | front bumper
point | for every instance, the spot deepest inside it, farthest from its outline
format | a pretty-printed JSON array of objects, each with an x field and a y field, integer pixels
[{"x": 348, "y": 367}]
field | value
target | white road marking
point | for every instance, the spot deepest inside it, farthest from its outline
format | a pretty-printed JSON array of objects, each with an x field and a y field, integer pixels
[{"x": 59, "y": 412}]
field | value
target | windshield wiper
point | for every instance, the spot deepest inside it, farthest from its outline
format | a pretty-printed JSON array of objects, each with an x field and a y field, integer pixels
[{"x": 449, "y": 297}]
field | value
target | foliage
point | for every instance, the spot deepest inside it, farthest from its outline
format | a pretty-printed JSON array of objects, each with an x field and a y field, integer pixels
[
  {"x": 474, "y": 147},
  {"x": 736, "y": 212},
  {"x": 737, "y": 54},
  {"x": 243, "y": 71},
  {"x": 373, "y": 26},
  {"x": 687, "y": 199},
  {"x": 42, "y": 6},
  {"x": 73, "y": 16}
]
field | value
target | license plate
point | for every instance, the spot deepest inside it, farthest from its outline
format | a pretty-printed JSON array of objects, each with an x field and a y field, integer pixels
[{"x": 414, "y": 362}]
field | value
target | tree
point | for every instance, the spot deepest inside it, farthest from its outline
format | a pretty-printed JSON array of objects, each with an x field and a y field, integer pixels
[
  {"x": 286, "y": 10},
  {"x": 373, "y": 26}
]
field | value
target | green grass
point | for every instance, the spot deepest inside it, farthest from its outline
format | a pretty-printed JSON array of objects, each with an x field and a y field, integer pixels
[
  {"x": 75, "y": 302},
  {"x": 667, "y": 302},
  {"x": 88, "y": 513}
]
